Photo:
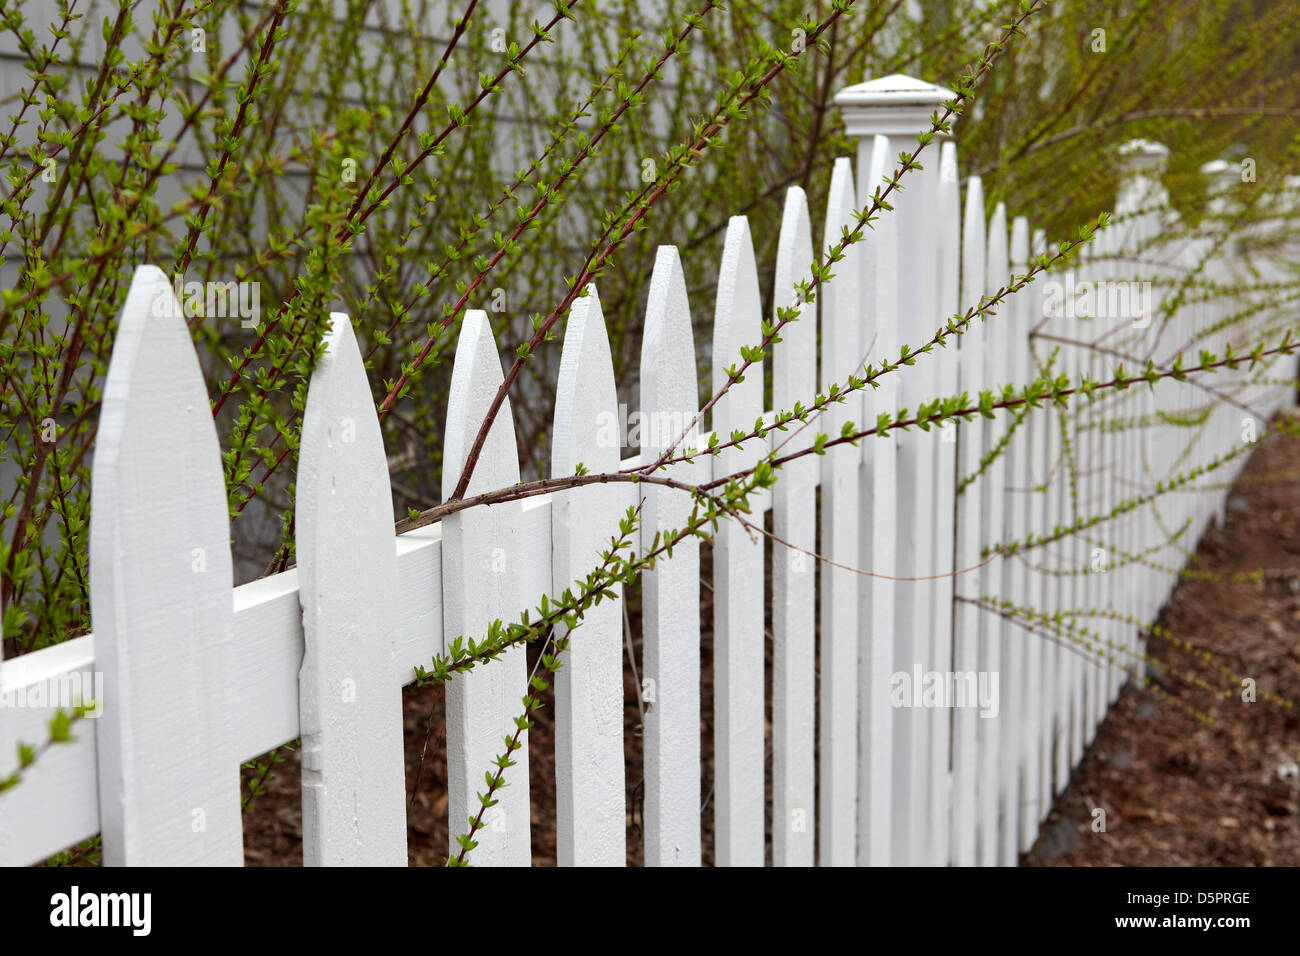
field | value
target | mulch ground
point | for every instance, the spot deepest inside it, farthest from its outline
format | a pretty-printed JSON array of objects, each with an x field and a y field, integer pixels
[
  {"x": 1176, "y": 790},
  {"x": 1179, "y": 791}
]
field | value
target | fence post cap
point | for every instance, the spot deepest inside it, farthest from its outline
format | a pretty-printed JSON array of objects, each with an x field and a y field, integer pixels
[
  {"x": 894, "y": 105},
  {"x": 1221, "y": 173},
  {"x": 1140, "y": 155}
]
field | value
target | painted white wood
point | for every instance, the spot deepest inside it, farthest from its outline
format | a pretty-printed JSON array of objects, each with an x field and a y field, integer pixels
[
  {"x": 589, "y": 779},
  {"x": 353, "y": 768},
  {"x": 1022, "y": 476},
  {"x": 1128, "y": 240},
  {"x": 841, "y": 356},
  {"x": 1114, "y": 468},
  {"x": 921, "y": 383},
  {"x": 968, "y": 618},
  {"x": 1137, "y": 205},
  {"x": 996, "y": 800},
  {"x": 479, "y": 584},
  {"x": 57, "y": 803},
  {"x": 738, "y": 628},
  {"x": 1088, "y": 583},
  {"x": 670, "y": 592},
  {"x": 445, "y": 580},
  {"x": 794, "y": 519},
  {"x": 1065, "y": 550},
  {"x": 1080, "y": 584},
  {"x": 914, "y": 212},
  {"x": 948, "y": 222},
  {"x": 879, "y": 294},
  {"x": 268, "y": 649},
  {"x": 160, "y": 583},
  {"x": 1042, "y": 434},
  {"x": 1076, "y": 329},
  {"x": 1097, "y": 551}
]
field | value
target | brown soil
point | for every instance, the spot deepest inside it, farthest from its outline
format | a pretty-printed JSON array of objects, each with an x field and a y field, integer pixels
[{"x": 1179, "y": 791}]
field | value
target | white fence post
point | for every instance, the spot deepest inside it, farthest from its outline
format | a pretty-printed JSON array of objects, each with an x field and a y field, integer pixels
[
  {"x": 353, "y": 768},
  {"x": 1075, "y": 555},
  {"x": 842, "y": 350},
  {"x": 1022, "y": 824},
  {"x": 887, "y": 115},
  {"x": 589, "y": 779},
  {"x": 738, "y": 626},
  {"x": 997, "y": 655},
  {"x": 878, "y": 538},
  {"x": 1062, "y": 514},
  {"x": 1137, "y": 209},
  {"x": 670, "y": 592},
  {"x": 1096, "y": 544},
  {"x": 1042, "y": 428},
  {"x": 794, "y": 519},
  {"x": 969, "y": 619},
  {"x": 1116, "y": 584},
  {"x": 948, "y": 274},
  {"x": 160, "y": 599},
  {"x": 478, "y": 587}
]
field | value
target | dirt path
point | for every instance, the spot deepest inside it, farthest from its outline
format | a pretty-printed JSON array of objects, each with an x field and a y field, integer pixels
[{"x": 1176, "y": 790}]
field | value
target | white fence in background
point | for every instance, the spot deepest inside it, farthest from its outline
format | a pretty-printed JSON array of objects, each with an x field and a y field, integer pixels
[{"x": 199, "y": 677}]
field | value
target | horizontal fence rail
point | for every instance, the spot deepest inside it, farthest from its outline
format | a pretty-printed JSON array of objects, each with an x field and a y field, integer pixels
[{"x": 917, "y": 717}]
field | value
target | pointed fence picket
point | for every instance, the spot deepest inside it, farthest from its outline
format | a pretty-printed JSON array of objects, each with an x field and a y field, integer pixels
[
  {"x": 160, "y": 580},
  {"x": 738, "y": 691},
  {"x": 1094, "y": 572},
  {"x": 353, "y": 772},
  {"x": 479, "y": 584},
  {"x": 914, "y": 495},
  {"x": 842, "y": 357},
  {"x": 996, "y": 647},
  {"x": 1076, "y": 328},
  {"x": 968, "y": 747},
  {"x": 860, "y": 773},
  {"x": 1044, "y": 449},
  {"x": 1020, "y": 814},
  {"x": 947, "y": 291},
  {"x": 878, "y": 292},
  {"x": 1121, "y": 585},
  {"x": 670, "y": 592},
  {"x": 1067, "y": 661},
  {"x": 589, "y": 775},
  {"x": 794, "y": 521}
]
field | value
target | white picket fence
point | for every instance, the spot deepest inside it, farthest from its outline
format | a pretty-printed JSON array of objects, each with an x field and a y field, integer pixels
[{"x": 199, "y": 677}]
